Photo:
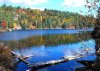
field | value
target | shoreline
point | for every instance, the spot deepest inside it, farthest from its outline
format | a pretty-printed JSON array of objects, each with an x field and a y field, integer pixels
[
  {"x": 9, "y": 30},
  {"x": 2, "y": 31}
]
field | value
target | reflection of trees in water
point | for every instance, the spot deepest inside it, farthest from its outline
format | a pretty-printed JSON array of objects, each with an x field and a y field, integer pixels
[{"x": 48, "y": 40}]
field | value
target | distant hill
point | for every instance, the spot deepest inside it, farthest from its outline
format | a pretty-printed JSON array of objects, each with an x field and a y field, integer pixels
[{"x": 26, "y": 18}]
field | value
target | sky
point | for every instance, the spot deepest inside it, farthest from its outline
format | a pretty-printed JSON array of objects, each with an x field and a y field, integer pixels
[{"x": 76, "y": 6}]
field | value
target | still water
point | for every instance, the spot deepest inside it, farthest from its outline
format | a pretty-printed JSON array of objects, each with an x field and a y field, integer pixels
[{"x": 46, "y": 45}]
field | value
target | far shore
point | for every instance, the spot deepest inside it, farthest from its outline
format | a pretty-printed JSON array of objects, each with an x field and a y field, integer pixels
[
  {"x": 9, "y": 30},
  {"x": 2, "y": 30}
]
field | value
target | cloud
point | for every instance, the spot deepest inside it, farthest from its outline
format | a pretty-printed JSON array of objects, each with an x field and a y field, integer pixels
[
  {"x": 25, "y": 2},
  {"x": 73, "y": 3},
  {"x": 40, "y": 8}
]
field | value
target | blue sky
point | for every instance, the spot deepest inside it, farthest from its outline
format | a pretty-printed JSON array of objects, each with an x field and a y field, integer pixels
[{"x": 64, "y": 5}]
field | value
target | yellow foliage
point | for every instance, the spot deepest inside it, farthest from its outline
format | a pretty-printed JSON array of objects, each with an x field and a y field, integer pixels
[
  {"x": 14, "y": 24},
  {"x": 25, "y": 21},
  {"x": 67, "y": 19}
]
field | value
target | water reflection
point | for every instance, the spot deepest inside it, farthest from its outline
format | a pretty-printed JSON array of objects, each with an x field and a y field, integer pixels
[
  {"x": 58, "y": 51},
  {"x": 43, "y": 54},
  {"x": 22, "y": 34},
  {"x": 47, "y": 40},
  {"x": 48, "y": 46}
]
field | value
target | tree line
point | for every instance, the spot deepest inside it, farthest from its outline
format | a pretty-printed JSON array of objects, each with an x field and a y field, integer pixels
[{"x": 26, "y": 18}]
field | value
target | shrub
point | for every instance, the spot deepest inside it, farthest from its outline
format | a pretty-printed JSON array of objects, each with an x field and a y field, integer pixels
[{"x": 6, "y": 59}]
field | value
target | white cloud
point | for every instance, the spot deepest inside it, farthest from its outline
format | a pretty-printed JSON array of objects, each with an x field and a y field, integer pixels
[
  {"x": 40, "y": 8},
  {"x": 73, "y": 3},
  {"x": 25, "y": 2}
]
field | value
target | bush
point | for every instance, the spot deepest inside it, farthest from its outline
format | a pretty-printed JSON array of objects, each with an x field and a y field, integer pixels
[{"x": 6, "y": 59}]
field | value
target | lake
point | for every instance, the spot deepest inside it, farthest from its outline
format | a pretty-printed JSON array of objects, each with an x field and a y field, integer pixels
[{"x": 46, "y": 45}]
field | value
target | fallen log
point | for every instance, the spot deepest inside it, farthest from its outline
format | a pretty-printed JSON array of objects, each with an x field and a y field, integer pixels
[
  {"x": 64, "y": 59},
  {"x": 52, "y": 62},
  {"x": 27, "y": 57},
  {"x": 20, "y": 59},
  {"x": 49, "y": 63}
]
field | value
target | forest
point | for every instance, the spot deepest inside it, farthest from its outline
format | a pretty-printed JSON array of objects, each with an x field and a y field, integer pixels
[{"x": 25, "y": 18}]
